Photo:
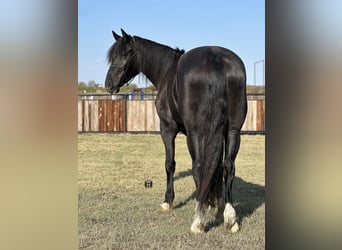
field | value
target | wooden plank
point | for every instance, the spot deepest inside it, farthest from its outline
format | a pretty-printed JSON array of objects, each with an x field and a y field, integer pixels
[
  {"x": 152, "y": 119},
  {"x": 145, "y": 118},
  {"x": 113, "y": 119},
  {"x": 90, "y": 114},
  {"x": 264, "y": 115},
  {"x": 94, "y": 115},
  {"x": 131, "y": 115},
  {"x": 118, "y": 115},
  {"x": 135, "y": 116},
  {"x": 253, "y": 115},
  {"x": 148, "y": 116},
  {"x": 260, "y": 115},
  {"x": 86, "y": 116},
  {"x": 80, "y": 116},
  {"x": 115, "y": 115},
  {"x": 109, "y": 116},
  {"x": 122, "y": 116},
  {"x": 101, "y": 116},
  {"x": 83, "y": 116}
]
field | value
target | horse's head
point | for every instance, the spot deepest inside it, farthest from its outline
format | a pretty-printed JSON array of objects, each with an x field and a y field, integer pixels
[{"x": 122, "y": 57}]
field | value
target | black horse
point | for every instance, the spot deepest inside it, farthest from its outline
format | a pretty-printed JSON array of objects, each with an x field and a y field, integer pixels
[{"x": 201, "y": 93}]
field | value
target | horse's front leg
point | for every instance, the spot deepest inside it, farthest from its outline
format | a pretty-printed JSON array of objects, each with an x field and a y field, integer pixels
[{"x": 168, "y": 135}]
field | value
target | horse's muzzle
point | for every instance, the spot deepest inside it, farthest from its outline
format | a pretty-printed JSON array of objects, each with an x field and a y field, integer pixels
[{"x": 111, "y": 89}]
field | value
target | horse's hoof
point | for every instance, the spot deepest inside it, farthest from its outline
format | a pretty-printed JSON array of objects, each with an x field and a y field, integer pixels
[
  {"x": 230, "y": 218},
  {"x": 233, "y": 228},
  {"x": 197, "y": 228},
  {"x": 166, "y": 207}
]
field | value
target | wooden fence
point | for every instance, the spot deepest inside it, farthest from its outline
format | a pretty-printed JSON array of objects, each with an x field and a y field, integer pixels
[{"x": 122, "y": 115}]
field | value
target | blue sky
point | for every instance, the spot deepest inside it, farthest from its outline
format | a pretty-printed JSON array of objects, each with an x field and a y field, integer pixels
[{"x": 236, "y": 25}]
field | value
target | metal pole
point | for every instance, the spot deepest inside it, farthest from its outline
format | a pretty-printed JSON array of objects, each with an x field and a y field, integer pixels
[
  {"x": 263, "y": 73},
  {"x": 255, "y": 74}
]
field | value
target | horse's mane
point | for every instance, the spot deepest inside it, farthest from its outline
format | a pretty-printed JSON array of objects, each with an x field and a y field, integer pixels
[
  {"x": 119, "y": 47},
  {"x": 148, "y": 43},
  {"x": 158, "y": 53}
]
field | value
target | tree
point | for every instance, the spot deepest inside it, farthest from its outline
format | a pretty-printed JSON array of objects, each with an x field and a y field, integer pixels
[
  {"x": 255, "y": 89},
  {"x": 82, "y": 86},
  {"x": 128, "y": 88},
  {"x": 90, "y": 87}
]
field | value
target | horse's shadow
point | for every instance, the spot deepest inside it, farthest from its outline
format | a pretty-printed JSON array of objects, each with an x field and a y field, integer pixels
[
  {"x": 192, "y": 196},
  {"x": 247, "y": 197}
]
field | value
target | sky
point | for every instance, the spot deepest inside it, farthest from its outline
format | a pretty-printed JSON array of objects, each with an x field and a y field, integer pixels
[{"x": 236, "y": 25}]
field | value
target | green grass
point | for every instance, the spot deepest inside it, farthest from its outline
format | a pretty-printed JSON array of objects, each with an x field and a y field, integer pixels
[{"x": 116, "y": 211}]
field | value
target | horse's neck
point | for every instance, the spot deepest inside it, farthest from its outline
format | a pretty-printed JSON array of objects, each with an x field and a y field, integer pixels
[{"x": 158, "y": 69}]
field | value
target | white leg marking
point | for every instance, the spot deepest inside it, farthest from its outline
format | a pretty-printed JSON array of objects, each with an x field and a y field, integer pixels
[
  {"x": 197, "y": 226},
  {"x": 166, "y": 206},
  {"x": 230, "y": 218}
]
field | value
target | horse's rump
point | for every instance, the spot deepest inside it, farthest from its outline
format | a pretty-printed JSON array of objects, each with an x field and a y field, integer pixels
[{"x": 202, "y": 85}]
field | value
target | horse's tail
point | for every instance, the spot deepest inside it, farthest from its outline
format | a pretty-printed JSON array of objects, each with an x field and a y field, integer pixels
[{"x": 212, "y": 141}]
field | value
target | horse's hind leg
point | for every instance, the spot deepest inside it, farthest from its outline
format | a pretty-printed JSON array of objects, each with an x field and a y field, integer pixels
[
  {"x": 232, "y": 148},
  {"x": 197, "y": 225},
  {"x": 193, "y": 146}
]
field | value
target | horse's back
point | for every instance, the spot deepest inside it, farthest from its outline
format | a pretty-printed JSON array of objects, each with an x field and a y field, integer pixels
[{"x": 212, "y": 60}]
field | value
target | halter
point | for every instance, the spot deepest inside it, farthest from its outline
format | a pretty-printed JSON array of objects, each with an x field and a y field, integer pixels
[{"x": 122, "y": 68}]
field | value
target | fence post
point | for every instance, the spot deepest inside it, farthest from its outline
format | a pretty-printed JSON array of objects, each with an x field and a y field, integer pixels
[{"x": 125, "y": 115}]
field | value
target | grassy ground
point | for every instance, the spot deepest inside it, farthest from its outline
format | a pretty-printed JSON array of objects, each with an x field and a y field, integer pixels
[{"x": 116, "y": 211}]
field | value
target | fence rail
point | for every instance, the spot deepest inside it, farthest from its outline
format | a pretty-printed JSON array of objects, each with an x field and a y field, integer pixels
[{"x": 123, "y": 113}]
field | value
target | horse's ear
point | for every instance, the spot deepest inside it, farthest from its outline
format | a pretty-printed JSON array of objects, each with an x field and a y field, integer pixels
[
  {"x": 116, "y": 36},
  {"x": 125, "y": 36}
]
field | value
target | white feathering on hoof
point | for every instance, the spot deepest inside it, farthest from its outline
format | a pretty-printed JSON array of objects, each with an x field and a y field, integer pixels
[
  {"x": 197, "y": 227},
  {"x": 166, "y": 206},
  {"x": 229, "y": 215},
  {"x": 234, "y": 228}
]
